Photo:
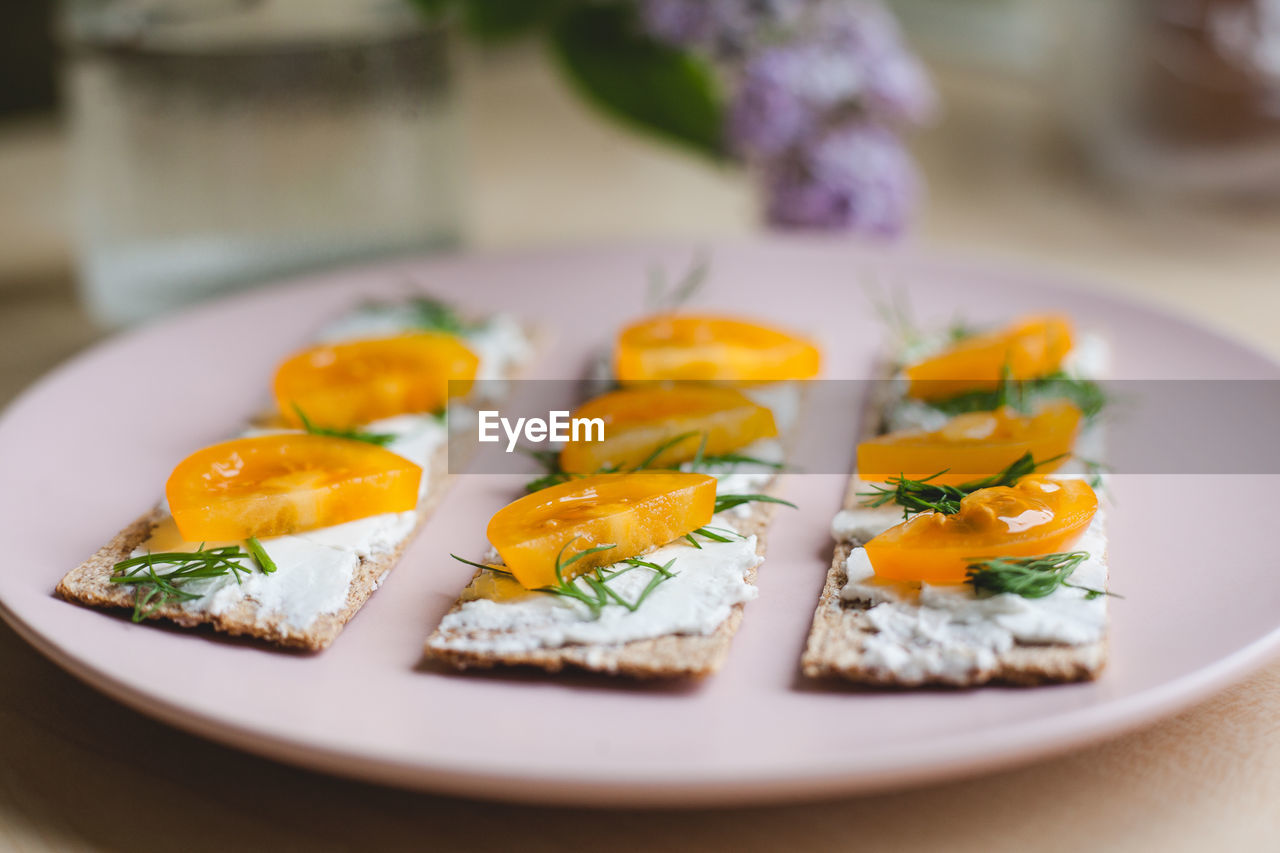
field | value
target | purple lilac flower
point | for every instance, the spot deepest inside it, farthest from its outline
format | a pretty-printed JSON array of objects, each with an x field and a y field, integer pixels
[
  {"x": 896, "y": 85},
  {"x": 856, "y": 176},
  {"x": 785, "y": 93},
  {"x": 853, "y": 61},
  {"x": 679, "y": 22},
  {"x": 726, "y": 27}
]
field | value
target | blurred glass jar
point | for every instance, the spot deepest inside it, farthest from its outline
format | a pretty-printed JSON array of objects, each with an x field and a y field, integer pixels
[
  {"x": 218, "y": 143},
  {"x": 1180, "y": 96}
]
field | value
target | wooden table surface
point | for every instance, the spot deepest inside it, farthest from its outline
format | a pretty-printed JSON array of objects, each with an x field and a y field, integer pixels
[{"x": 78, "y": 771}]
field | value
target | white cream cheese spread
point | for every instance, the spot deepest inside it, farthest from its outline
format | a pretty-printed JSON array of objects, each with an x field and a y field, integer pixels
[
  {"x": 708, "y": 583},
  {"x": 925, "y": 631}
]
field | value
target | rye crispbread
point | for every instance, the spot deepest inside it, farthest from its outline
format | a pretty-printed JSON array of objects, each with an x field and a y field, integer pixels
[
  {"x": 90, "y": 583},
  {"x": 670, "y": 656},
  {"x": 835, "y": 647}
]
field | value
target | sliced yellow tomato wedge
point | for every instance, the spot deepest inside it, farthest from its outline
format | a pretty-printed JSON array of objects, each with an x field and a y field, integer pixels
[
  {"x": 633, "y": 512},
  {"x": 354, "y": 382},
  {"x": 1037, "y": 516},
  {"x": 638, "y": 421},
  {"x": 703, "y": 347},
  {"x": 270, "y": 485},
  {"x": 1032, "y": 347},
  {"x": 973, "y": 445}
]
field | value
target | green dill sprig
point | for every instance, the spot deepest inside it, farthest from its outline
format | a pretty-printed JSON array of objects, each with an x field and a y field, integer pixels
[
  {"x": 153, "y": 589},
  {"x": 663, "y": 298},
  {"x": 382, "y": 439},
  {"x": 715, "y": 534},
  {"x": 554, "y": 474},
  {"x": 592, "y": 587},
  {"x": 727, "y": 502},
  {"x": 896, "y": 314},
  {"x": 1029, "y": 577},
  {"x": 662, "y": 448},
  {"x": 1094, "y": 470},
  {"x": 726, "y": 459},
  {"x": 924, "y": 495},
  {"x": 1085, "y": 394},
  {"x": 432, "y": 315},
  {"x": 260, "y": 555}
]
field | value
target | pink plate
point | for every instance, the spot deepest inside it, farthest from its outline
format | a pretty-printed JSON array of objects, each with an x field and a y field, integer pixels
[{"x": 88, "y": 449}]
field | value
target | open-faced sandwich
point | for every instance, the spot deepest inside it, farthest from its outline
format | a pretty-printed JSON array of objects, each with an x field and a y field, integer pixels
[
  {"x": 636, "y": 553},
  {"x": 284, "y": 532},
  {"x": 967, "y": 549}
]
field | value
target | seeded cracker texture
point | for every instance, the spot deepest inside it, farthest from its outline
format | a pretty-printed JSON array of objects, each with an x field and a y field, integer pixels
[
  {"x": 670, "y": 656},
  {"x": 90, "y": 582},
  {"x": 840, "y": 628}
]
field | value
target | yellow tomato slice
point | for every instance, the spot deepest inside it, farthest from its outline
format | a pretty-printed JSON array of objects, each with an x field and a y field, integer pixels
[
  {"x": 633, "y": 512},
  {"x": 637, "y": 421},
  {"x": 1032, "y": 347},
  {"x": 270, "y": 485},
  {"x": 700, "y": 347},
  {"x": 1037, "y": 516},
  {"x": 973, "y": 445},
  {"x": 351, "y": 383}
]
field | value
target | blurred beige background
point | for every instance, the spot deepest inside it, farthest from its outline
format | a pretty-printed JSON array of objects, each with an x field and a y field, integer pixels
[{"x": 80, "y": 772}]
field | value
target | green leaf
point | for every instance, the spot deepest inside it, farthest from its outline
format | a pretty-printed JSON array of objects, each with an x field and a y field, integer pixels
[
  {"x": 501, "y": 20},
  {"x": 433, "y": 10},
  {"x": 658, "y": 88}
]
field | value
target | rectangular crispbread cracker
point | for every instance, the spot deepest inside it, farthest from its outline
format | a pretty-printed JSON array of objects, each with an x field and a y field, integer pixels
[
  {"x": 90, "y": 582},
  {"x": 670, "y": 656},
  {"x": 840, "y": 628}
]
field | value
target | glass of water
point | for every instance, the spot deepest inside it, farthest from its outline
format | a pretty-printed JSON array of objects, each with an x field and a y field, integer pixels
[{"x": 218, "y": 143}]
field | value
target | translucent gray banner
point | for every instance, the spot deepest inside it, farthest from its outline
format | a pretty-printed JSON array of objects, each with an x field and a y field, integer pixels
[{"x": 1127, "y": 426}]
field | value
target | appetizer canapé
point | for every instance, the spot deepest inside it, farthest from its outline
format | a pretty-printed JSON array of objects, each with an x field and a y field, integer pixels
[{"x": 960, "y": 558}]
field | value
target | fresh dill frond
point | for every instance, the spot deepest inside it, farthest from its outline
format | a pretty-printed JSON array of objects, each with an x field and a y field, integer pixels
[
  {"x": 154, "y": 589},
  {"x": 497, "y": 570},
  {"x": 727, "y": 502},
  {"x": 537, "y": 484},
  {"x": 726, "y": 459},
  {"x": 260, "y": 555},
  {"x": 662, "y": 297},
  {"x": 1029, "y": 577},
  {"x": 924, "y": 495},
  {"x": 433, "y": 315},
  {"x": 1085, "y": 394},
  {"x": 592, "y": 588},
  {"x": 670, "y": 443},
  {"x": 959, "y": 331},
  {"x": 905, "y": 334},
  {"x": 553, "y": 474},
  {"x": 661, "y": 574},
  {"x": 715, "y": 534},
  {"x": 382, "y": 439}
]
